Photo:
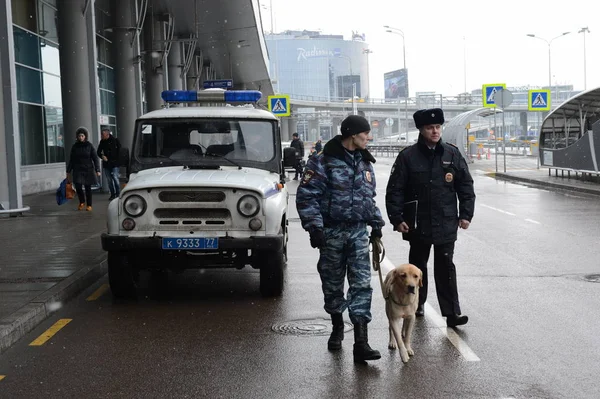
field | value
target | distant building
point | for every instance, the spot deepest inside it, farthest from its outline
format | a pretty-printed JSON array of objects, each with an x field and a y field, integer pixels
[{"x": 309, "y": 64}]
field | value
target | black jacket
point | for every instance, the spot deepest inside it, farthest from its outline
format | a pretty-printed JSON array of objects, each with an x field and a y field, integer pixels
[
  {"x": 110, "y": 149},
  {"x": 299, "y": 146},
  {"x": 436, "y": 179},
  {"x": 83, "y": 163}
]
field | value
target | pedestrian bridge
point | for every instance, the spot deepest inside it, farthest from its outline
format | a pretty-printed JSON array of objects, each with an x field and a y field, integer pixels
[{"x": 448, "y": 103}]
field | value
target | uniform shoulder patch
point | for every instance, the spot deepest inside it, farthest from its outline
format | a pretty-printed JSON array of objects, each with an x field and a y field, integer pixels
[{"x": 307, "y": 176}]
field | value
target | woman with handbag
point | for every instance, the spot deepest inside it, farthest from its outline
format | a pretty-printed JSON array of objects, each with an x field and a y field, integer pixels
[{"x": 83, "y": 168}]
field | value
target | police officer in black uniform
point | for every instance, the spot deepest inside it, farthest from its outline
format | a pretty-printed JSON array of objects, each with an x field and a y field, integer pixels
[
  {"x": 429, "y": 196},
  {"x": 299, "y": 146}
]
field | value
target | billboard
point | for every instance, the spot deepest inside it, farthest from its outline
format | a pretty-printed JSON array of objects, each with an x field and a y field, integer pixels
[{"x": 396, "y": 83}]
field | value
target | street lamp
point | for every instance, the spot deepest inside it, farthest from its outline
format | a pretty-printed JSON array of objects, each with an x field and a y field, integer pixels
[
  {"x": 584, "y": 31},
  {"x": 367, "y": 52},
  {"x": 549, "y": 42},
  {"x": 399, "y": 32}
]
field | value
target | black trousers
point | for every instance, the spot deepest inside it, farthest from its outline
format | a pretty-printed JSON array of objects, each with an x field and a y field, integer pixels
[
  {"x": 82, "y": 197},
  {"x": 444, "y": 273},
  {"x": 298, "y": 167}
]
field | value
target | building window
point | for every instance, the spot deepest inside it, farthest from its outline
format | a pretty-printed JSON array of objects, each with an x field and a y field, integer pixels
[
  {"x": 27, "y": 48},
  {"x": 24, "y": 15},
  {"x": 50, "y": 57},
  {"x": 106, "y": 77},
  {"x": 31, "y": 128},
  {"x": 29, "y": 85},
  {"x": 104, "y": 48},
  {"x": 47, "y": 19},
  {"x": 52, "y": 90},
  {"x": 55, "y": 135},
  {"x": 107, "y": 102}
]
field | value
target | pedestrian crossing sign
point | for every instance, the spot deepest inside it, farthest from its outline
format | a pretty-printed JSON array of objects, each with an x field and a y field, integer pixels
[
  {"x": 279, "y": 105},
  {"x": 488, "y": 92},
  {"x": 538, "y": 100}
]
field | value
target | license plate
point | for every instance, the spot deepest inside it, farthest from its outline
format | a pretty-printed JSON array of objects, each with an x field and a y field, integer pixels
[{"x": 190, "y": 243}]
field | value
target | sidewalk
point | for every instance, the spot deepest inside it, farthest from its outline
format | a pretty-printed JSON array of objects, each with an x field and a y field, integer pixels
[
  {"x": 47, "y": 256},
  {"x": 52, "y": 253},
  {"x": 540, "y": 178}
]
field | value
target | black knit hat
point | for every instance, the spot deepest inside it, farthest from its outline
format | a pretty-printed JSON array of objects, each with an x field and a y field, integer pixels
[
  {"x": 81, "y": 130},
  {"x": 432, "y": 116},
  {"x": 354, "y": 124}
]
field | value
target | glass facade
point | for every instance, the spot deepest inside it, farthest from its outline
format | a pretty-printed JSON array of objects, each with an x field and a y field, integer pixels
[
  {"x": 310, "y": 65},
  {"x": 37, "y": 67},
  {"x": 106, "y": 75},
  {"x": 37, "y": 70}
]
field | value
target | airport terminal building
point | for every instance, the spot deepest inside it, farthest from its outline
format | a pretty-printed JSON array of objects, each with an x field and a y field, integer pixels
[{"x": 102, "y": 63}]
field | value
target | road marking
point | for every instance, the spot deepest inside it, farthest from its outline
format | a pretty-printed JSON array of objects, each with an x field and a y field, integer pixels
[
  {"x": 2, "y": 377},
  {"x": 49, "y": 333},
  {"x": 439, "y": 322},
  {"x": 98, "y": 293},
  {"x": 532, "y": 221},
  {"x": 498, "y": 210}
]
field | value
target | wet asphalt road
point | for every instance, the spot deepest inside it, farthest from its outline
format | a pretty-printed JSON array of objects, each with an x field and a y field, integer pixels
[{"x": 528, "y": 277}]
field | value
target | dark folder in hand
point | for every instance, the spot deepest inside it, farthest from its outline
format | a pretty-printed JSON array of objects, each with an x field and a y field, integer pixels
[{"x": 409, "y": 214}]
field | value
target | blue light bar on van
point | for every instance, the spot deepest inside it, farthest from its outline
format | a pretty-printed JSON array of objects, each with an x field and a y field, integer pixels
[{"x": 211, "y": 96}]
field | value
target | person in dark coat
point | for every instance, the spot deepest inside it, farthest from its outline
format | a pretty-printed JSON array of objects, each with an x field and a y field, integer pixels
[
  {"x": 108, "y": 151},
  {"x": 429, "y": 196},
  {"x": 83, "y": 168},
  {"x": 318, "y": 146},
  {"x": 299, "y": 146},
  {"x": 336, "y": 203}
]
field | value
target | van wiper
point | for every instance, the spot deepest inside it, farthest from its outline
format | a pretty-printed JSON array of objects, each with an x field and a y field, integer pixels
[{"x": 221, "y": 156}]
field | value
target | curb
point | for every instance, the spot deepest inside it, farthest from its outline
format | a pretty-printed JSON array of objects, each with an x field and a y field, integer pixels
[
  {"x": 25, "y": 319},
  {"x": 538, "y": 183}
]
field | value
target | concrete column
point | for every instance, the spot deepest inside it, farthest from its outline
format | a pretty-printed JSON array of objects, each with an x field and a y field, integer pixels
[
  {"x": 153, "y": 70},
  {"x": 127, "y": 65},
  {"x": 175, "y": 61},
  {"x": 75, "y": 70},
  {"x": 284, "y": 124},
  {"x": 10, "y": 143}
]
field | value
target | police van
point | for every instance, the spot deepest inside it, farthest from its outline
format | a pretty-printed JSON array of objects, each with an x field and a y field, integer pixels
[{"x": 206, "y": 189}]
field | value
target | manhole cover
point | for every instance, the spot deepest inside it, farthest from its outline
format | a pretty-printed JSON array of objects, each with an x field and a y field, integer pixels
[
  {"x": 592, "y": 278},
  {"x": 307, "y": 327}
]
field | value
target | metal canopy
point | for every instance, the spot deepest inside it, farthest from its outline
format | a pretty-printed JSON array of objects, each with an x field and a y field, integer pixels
[
  {"x": 455, "y": 129},
  {"x": 568, "y": 117},
  {"x": 229, "y": 35}
]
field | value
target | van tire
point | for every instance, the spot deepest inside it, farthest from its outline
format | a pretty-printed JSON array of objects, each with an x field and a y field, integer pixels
[{"x": 120, "y": 275}]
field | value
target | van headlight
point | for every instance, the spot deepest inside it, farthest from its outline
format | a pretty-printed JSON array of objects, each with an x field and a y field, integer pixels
[
  {"x": 248, "y": 205},
  {"x": 134, "y": 206}
]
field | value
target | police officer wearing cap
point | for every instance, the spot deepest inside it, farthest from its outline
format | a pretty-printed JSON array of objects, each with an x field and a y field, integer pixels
[
  {"x": 336, "y": 203},
  {"x": 429, "y": 196}
]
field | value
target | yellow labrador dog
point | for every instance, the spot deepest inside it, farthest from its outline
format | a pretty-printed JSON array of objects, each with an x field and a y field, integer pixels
[{"x": 401, "y": 293}]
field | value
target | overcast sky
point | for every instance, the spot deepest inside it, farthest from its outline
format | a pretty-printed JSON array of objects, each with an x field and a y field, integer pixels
[{"x": 438, "y": 32}]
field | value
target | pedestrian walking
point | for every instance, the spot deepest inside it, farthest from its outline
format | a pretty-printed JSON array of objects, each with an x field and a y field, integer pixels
[
  {"x": 299, "y": 146},
  {"x": 83, "y": 168},
  {"x": 336, "y": 203},
  {"x": 429, "y": 196},
  {"x": 108, "y": 151}
]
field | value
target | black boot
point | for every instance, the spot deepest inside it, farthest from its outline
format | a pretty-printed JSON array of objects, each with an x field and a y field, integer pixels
[
  {"x": 420, "y": 311},
  {"x": 362, "y": 350},
  {"x": 337, "y": 335}
]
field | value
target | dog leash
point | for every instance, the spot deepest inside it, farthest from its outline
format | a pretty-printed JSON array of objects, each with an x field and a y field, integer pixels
[{"x": 378, "y": 256}]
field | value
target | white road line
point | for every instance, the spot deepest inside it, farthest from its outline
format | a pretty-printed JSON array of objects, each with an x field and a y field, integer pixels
[
  {"x": 497, "y": 210},
  {"x": 532, "y": 221},
  {"x": 439, "y": 322}
]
